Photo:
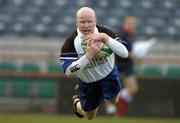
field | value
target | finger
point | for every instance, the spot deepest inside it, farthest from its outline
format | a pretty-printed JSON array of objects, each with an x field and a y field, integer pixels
[
  {"x": 88, "y": 36},
  {"x": 89, "y": 42},
  {"x": 97, "y": 45},
  {"x": 101, "y": 45}
]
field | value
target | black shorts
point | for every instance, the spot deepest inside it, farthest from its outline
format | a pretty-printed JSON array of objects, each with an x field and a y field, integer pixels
[{"x": 92, "y": 94}]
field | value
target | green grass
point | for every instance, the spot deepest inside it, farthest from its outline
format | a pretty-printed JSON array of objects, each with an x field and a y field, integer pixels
[{"x": 42, "y": 118}]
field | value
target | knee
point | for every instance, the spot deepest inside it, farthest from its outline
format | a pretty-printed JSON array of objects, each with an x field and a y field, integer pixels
[
  {"x": 89, "y": 117},
  {"x": 114, "y": 100}
]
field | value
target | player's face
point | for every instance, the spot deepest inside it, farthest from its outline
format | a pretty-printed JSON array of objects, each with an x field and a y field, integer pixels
[{"x": 86, "y": 23}]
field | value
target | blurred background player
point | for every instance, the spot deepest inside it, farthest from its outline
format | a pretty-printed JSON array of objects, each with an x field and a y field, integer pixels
[{"x": 125, "y": 66}]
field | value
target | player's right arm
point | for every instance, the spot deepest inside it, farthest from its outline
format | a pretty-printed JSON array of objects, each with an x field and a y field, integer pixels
[
  {"x": 75, "y": 66},
  {"x": 69, "y": 60}
]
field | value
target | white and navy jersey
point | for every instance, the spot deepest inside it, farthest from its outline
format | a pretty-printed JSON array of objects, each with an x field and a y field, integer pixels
[{"x": 97, "y": 68}]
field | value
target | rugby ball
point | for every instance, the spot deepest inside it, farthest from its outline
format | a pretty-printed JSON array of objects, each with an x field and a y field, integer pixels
[{"x": 104, "y": 52}]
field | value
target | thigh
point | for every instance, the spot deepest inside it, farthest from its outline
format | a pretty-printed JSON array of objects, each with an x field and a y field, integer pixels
[
  {"x": 111, "y": 89},
  {"x": 90, "y": 95}
]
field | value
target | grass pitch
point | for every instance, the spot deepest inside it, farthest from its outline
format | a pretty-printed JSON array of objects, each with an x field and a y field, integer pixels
[{"x": 44, "y": 118}]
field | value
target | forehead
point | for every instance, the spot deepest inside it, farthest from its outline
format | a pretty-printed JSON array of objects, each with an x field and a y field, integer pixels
[{"x": 85, "y": 14}]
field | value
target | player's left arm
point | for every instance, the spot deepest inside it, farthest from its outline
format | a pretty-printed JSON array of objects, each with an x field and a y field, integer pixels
[{"x": 116, "y": 46}]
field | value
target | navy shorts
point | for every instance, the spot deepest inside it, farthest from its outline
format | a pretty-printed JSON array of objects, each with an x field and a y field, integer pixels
[{"x": 93, "y": 94}]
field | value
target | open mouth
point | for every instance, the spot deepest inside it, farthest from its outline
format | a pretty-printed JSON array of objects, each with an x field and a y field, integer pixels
[{"x": 86, "y": 31}]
